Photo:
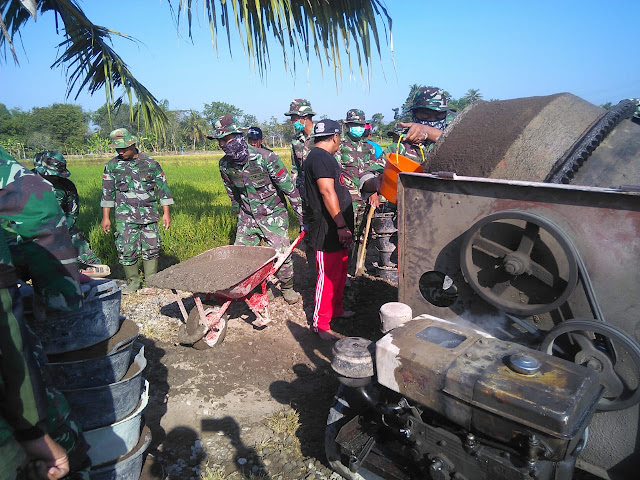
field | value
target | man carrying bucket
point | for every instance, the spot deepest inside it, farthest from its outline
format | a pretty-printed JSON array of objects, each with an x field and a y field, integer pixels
[{"x": 257, "y": 182}]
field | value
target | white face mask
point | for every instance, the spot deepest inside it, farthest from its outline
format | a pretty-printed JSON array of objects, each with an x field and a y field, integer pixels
[{"x": 356, "y": 131}]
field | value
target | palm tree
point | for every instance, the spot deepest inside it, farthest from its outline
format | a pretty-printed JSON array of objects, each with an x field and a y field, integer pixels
[
  {"x": 472, "y": 95},
  {"x": 195, "y": 127},
  {"x": 299, "y": 27}
]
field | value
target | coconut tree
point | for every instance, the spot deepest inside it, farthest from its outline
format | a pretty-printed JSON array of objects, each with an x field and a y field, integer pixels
[
  {"x": 329, "y": 29},
  {"x": 472, "y": 95},
  {"x": 195, "y": 127}
]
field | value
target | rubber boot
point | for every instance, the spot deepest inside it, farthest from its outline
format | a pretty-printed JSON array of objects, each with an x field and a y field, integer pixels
[
  {"x": 288, "y": 293},
  {"x": 150, "y": 268},
  {"x": 132, "y": 274}
]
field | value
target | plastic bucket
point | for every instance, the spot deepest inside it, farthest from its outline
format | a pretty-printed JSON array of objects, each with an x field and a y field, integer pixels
[{"x": 396, "y": 164}]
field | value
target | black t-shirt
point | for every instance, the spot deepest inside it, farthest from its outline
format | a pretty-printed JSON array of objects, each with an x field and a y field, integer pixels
[{"x": 323, "y": 234}]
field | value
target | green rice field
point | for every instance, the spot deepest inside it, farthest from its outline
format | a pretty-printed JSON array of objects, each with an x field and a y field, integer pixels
[{"x": 201, "y": 217}]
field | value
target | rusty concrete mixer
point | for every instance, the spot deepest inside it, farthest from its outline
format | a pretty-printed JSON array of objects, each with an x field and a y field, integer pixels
[{"x": 535, "y": 242}]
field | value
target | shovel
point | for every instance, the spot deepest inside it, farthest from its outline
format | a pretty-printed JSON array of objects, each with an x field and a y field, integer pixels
[{"x": 362, "y": 247}]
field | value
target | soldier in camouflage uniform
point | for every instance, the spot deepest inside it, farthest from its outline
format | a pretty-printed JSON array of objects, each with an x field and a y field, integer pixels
[
  {"x": 134, "y": 184},
  {"x": 257, "y": 182},
  {"x": 52, "y": 166},
  {"x": 36, "y": 431},
  {"x": 301, "y": 115},
  {"x": 355, "y": 156},
  {"x": 430, "y": 115}
]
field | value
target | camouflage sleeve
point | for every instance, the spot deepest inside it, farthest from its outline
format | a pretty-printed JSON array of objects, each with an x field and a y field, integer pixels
[
  {"x": 234, "y": 195},
  {"x": 162, "y": 187},
  {"x": 294, "y": 165},
  {"x": 24, "y": 404},
  {"x": 108, "y": 188},
  {"x": 34, "y": 216},
  {"x": 283, "y": 182},
  {"x": 72, "y": 208}
]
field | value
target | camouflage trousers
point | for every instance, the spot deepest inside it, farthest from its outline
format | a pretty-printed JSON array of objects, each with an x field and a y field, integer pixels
[
  {"x": 80, "y": 243},
  {"x": 274, "y": 232},
  {"x": 133, "y": 238}
]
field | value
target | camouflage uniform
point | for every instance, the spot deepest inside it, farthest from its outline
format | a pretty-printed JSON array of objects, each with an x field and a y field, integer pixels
[
  {"x": 301, "y": 145},
  {"x": 257, "y": 189},
  {"x": 356, "y": 156},
  {"x": 135, "y": 187},
  {"x": 52, "y": 166},
  {"x": 29, "y": 407},
  {"x": 636, "y": 114},
  {"x": 431, "y": 98}
]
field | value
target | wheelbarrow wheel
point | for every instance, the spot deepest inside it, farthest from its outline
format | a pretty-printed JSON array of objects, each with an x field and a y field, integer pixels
[{"x": 192, "y": 333}]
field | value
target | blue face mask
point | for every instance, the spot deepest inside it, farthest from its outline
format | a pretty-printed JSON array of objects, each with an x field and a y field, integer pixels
[
  {"x": 356, "y": 131},
  {"x": 299, "y": 126}
]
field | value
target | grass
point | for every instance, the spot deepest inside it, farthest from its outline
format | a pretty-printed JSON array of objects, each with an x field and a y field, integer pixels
[
  {"x": 201, "y": 217},
  {"x": 284, "y": 422}
]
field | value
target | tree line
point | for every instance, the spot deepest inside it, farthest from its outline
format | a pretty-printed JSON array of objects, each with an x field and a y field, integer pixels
[
  {"x": 67, "y": 128},
  {"x": 71, "y": 130}
]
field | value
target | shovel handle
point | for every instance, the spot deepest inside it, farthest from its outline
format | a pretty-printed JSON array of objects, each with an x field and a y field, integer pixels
[
  {"x": 281, "y": 257},
  {"x": 363, "y": 245}
]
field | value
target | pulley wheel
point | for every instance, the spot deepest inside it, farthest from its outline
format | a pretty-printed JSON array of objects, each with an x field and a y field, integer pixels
[
  {"x": 588, "y": 343},
  {"x": 519, "y": 262}
]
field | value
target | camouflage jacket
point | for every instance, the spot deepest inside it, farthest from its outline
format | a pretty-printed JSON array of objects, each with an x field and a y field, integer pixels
[
  {"x": 34, "y": 225},
  {"x": 67, "y": 196},
  {"x": 355, "y": 157},
  {"x": 258, "y": 187},
  {"x": 134, "y": 188},
  {"x": 301, "y": 145}
]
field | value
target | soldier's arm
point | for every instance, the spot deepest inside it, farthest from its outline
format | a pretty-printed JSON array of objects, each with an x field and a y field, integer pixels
[
  {"x": 164, "y": 194},
  {"x": 282, "y": 181},
  {"x": 108, "y": 201},
  {"x": 73, "y": 202},
  {"x": 294, "y": 165},
  {"x": 231, "y": 191}
]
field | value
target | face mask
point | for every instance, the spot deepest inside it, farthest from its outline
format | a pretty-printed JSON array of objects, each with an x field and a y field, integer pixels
[
  {"x": 299, "y": 126},
  {"x": 439, "y": 124},
  {"x": 356, "y": 131},
  {"x": 237, "y": 149}
]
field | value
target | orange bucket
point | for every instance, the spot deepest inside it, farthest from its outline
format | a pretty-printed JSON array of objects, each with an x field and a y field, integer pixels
[{"x": 396, "y": 164}]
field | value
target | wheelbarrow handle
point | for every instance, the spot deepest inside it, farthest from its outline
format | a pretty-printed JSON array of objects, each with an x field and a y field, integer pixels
[{"x": 281, "y": 257}]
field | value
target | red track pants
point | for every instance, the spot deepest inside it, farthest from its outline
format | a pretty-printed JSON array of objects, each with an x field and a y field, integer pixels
[{"x": 332, "y": 275}]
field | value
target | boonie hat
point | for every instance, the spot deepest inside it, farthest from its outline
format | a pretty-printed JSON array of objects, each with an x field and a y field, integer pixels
[
  {"x": 225, "y": 125},
  {"x": 300, "y": 106},
  {"x": 325, "y": 128},
  {"x": 433, "y": 98},
  {"x": 121, "y": 138},
  {"x": 355, "y": 116},
  {"x": 51, "y": 163},
  {"x": 254, "y": 133}
]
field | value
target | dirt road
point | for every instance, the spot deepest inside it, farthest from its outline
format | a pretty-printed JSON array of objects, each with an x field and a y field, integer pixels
[{"x": 256, "y": 405}]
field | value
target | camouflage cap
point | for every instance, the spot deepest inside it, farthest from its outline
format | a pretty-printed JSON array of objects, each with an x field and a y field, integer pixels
[
  {"x": 300, "y": 106},
  {"x": 430, "y": 97},
  {"x": 355, "y": 116},
  {"x": 225, "y": 125},
  {"x": 51, "y": 163},
  {"x": 121, "y": 138},
  {"x": 397, "y": 131}
]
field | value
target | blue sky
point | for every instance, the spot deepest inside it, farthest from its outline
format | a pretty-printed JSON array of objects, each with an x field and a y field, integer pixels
[{"x": 506, "y": 49}]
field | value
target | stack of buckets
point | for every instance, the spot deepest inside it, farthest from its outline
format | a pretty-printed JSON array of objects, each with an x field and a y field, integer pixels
[
  {"x": 96, "y": 363},
  {"x": 384, "y": 224}
]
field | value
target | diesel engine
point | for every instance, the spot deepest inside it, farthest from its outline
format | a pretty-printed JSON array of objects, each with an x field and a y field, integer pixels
[{"x": 442, "y": 400}]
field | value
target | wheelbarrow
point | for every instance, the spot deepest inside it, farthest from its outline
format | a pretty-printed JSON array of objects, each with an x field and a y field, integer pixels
[{"x": 226, "y": 274}]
